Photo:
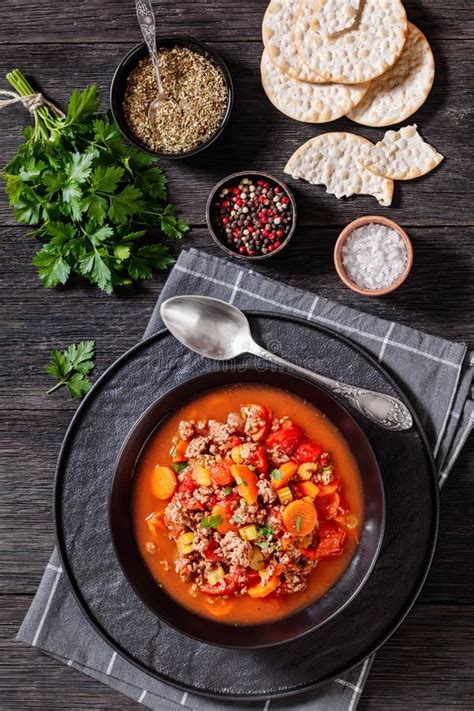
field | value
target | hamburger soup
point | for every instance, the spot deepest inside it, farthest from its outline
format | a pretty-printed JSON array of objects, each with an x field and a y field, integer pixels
[{"x": 247, "y": 504}]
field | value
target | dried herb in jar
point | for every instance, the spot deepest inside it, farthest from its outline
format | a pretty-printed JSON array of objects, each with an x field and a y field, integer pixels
[{"x": 199, "y": 97}]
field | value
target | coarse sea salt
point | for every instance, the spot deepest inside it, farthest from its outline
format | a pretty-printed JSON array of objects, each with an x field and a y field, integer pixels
[{"x": 374, "y": 256}]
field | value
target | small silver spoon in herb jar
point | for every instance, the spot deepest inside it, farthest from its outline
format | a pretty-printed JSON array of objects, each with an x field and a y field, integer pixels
[
  {"x": 146, "y": 20},
  {"x": 218, "y": 330}
]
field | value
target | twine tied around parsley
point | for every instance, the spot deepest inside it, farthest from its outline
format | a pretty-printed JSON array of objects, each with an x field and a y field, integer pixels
[
  {"x": 36, "y": 103},
  {"x": 32, "y": 102}
]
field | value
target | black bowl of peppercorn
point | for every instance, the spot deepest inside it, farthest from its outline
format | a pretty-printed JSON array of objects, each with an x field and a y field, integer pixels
[{"x": 251, "y": 215}]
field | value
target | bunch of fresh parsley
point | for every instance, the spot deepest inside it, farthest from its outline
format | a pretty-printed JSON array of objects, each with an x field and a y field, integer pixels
[{"x": 89, "y": 197}]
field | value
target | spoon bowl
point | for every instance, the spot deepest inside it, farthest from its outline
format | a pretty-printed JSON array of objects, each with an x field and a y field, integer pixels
[
  {"x": 220, "y": 331},
  {"x": 210, "y": 327}
]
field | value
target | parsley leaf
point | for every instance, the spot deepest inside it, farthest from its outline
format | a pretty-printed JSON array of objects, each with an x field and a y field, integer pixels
[
  {"x": 179, "y": 466},
  {"x": 71, "y": 366},
  {"x": 125, "y": 204},
  {"x": 226, "y": 491},
  {"x": 266, "y": 531},
  {"x": 82, "y": 104},
  {"x": 212, "y": 521},
  {"x": 80, "y": 166}
]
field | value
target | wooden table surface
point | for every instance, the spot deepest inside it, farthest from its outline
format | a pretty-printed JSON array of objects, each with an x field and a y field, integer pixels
[{"x": 428, "y": 663}]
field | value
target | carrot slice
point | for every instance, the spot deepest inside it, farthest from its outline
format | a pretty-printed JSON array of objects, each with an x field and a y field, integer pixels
[
  {"x": 164, "y": 482},
  {"x": 219, "y": 608},
  {"x": 264, "y": 588},
  {"x": 307, "y": 488},
  {"x": 247, "y": 482},
  {"x": 281, "y": 476},
  {"x": 179, "y": 451},
  {"x": 300, "y": 517},
  {"x": 225, "y": 525}
]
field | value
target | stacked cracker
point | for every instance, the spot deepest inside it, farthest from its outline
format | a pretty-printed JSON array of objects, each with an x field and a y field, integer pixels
[
  {"x": 329, "y": 58},
  {"x": 324, "y": 59}
]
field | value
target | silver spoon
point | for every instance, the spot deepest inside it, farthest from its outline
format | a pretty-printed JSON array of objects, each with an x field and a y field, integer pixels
[
  {"x": 217, "y": 330},
  {"x": 146, "y": 20}
]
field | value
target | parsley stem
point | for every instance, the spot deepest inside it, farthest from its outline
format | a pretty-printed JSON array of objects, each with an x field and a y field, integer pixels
[{"x": 55, "y": 387}]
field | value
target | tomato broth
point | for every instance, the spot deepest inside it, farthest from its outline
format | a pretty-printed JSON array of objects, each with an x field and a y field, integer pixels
[{"x": 216, "y": 404}]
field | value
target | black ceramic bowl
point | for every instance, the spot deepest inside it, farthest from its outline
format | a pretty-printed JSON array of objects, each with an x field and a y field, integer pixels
[
  {"x": 299, "y": 623},
  {"x": 128, "y": 64},
  {"x": 230, "y": 180}
]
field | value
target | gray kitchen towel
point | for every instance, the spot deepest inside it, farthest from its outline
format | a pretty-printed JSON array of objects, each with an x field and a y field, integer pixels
[{"x": 436, "y": 375}]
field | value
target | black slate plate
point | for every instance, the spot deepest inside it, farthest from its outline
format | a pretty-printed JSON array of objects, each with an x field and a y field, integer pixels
[{"x": 83, "y": 480}]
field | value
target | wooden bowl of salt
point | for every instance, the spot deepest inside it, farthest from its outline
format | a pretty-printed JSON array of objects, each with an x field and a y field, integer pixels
[{"x": 373, "y": 255}]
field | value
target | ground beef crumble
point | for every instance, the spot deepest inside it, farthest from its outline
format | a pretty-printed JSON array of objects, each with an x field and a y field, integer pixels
[{"x": 234, "y": 550}]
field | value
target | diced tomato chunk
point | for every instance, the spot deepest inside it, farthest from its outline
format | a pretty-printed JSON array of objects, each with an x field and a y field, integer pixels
[
  {"x": 286, "y": 437},
  {"x": 220, "y": 474},
  {"x": 258, "y": 459},
  {"x": 257, "y": 419},
  {"x": 307, "y": 451},
  {"x": 188, "y": 484},
  {"x": 230, "y": 503},
  {"x": 228, "y": 586},
  {"x": 328, "y": 506},
  {"x": 210, "y": 552},
  {"x": 232, "y": 442},
  {"x": 252, "y": 577},
  {"x": 344, "y": 507},
  {"x": 331, "y": 541}
]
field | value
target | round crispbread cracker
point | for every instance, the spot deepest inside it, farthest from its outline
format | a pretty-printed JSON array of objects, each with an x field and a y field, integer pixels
[
  {"x": 278, "y": 38},
  {"x": 300, "y": 100},
  {"x": 370, "y": 47},
  {"x": 332, "y": 159},
  {"x": 398, "y": 93},
  {"x": 334, "y": 16},
  {"x": 401, "y": 155}
]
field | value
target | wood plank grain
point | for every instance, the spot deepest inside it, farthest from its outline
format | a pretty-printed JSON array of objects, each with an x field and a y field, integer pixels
[
  {"x": 427, "y": 664},
  {"x": 260, "y": 137},
  {"x": 115, "y": 21},
  {"x": 32, "y": 680},
  {"x": 443, "y": 268}
]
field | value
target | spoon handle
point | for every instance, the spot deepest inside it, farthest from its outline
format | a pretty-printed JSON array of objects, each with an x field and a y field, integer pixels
[
  {"x": 386, "y": 411},
  {"x": 146, "y": 20}
]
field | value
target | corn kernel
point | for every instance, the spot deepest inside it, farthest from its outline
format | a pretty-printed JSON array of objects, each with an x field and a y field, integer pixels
[
  {"x": 351, "y": 521},
  {"x": 306, "y": 470},
  {"x": 285, "y": 495},
  {"x": 248, "y": 533},
  {"x": 185, "y": 543},
  {"x": 184, "y": 550},
  {"x": 235, "y": 454},
  {"x": 256, "y": 559},
  {"x": 201, "y": 476},
  {"x": 215, "y": 575}
]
